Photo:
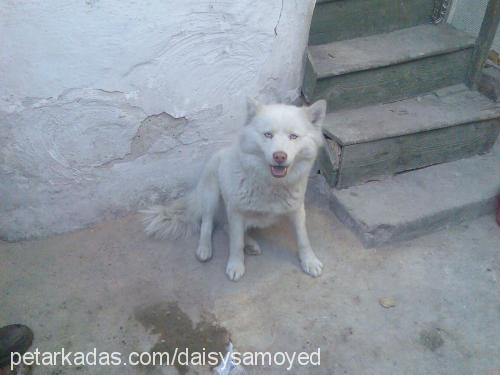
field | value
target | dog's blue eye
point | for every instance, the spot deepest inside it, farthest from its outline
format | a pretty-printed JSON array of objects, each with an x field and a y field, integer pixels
[
  {"x": 293, "y": 136},
  {"x": 268, "y": 134}
]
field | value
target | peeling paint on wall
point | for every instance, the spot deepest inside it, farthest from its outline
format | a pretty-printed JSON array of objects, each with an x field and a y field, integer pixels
[{"x": 101, "y": 102}]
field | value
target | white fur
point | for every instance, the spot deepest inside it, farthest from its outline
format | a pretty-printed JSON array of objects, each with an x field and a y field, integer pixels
[{"x": 252, "y": 196}]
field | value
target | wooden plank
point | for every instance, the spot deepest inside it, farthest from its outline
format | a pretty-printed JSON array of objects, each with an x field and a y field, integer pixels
[
  {"x": 373, "y": 160},
  {"x": 328, "y": 161},
  {"x": 309, "y": 82},
  {"x": 347, "y": 19},
  {"x": 483, "y": 44},
  {"x": 382, "y": 50},
  {"x": 438, "y": 109},
  {"x": 394, "y": 82},
  {"x": 489, "y": 83}
]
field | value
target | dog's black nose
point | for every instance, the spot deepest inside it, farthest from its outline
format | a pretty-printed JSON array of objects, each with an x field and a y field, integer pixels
[{"x": 280, "y": 157}]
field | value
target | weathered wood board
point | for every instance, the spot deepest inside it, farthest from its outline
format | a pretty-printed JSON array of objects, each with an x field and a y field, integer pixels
[
  {"x": 487, "y": 33},
  {"x": 392, "y": 82},
  {"x": 368, "y": 161},
  {"x": 396, "y": 47},
  {"x": 328, "y": 161},
  {"x": 437, "y": 109},
  {"x": 346, "y": 19}
]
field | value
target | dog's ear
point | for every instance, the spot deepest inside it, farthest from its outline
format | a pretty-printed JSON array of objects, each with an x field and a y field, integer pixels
[
  {"x": 316, "y": 112},
  {"x": 253, "y": 106}
]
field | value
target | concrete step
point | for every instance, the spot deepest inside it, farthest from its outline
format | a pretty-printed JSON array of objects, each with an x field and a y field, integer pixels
[
  {"x": 386, "y": 67},
  {"x": 415, "y": 203},
  {"x": 380, "y": 140},
  {"x": 335, "y": 20}
]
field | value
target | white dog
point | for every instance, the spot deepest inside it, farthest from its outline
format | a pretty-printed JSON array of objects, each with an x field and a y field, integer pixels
[{"x": 260, "y": 179}]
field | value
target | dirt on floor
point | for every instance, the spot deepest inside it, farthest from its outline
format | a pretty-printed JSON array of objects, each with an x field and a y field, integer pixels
[{"x": 427, "y": 306}]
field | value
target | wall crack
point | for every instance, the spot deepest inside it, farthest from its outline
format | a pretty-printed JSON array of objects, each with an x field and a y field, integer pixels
[{"x": 279, "y": 19}]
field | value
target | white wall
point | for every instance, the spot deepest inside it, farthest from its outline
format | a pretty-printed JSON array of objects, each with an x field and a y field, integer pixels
[
  {"x": 107, "y": 106},
  {"x": 467, "y": 15}
]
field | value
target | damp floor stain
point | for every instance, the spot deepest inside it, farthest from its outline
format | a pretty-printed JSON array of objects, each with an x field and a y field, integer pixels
[
  {"x": 176, "y": 330},
  {"x": 431, "y": 339}
]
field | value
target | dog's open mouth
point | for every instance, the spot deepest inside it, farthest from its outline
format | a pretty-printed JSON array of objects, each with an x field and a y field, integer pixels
[{"x": 278, "y": 170}]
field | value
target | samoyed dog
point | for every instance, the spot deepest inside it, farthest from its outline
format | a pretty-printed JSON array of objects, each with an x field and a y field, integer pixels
[{"x": 259, "y": 179}]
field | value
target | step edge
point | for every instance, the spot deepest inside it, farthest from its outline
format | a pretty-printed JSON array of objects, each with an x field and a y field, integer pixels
[
  {"x": 410, "y": 227},
  {"x": 413, "y": 228},
  {"x": 392, "y": 63},
  {"x": 435, "y": 126}
]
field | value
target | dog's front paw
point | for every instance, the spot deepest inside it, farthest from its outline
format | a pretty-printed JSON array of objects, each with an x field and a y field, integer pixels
[
  {"x": 311, "y": 265},
  {"x": 203, "y": 254},
  {"x": 235, "y": 269}
]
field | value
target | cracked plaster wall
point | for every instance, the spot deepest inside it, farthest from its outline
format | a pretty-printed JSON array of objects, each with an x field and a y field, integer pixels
[{"x": 108, "y": 106}]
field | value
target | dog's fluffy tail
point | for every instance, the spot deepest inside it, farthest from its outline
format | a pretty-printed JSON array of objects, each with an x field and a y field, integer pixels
[{"x": 178, "y": 219}]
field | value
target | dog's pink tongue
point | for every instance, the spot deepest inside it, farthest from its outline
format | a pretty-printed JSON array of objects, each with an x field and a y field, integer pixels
[{"x": 278, "y": 171}]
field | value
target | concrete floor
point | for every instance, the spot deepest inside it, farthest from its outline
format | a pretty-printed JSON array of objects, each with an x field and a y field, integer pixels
[{"x": 112, "y": 288}]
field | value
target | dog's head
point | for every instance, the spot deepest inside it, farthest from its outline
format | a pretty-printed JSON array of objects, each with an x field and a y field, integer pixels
[{"x": 284, "y": 139}]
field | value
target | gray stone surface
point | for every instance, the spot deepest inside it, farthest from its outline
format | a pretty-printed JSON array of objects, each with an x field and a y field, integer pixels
[
  {"x": 450, "y": 106},
  {"x": 417, "y": 202},
  {"x": 97, "y": 288},
  {"x": 386, "y": 49}
]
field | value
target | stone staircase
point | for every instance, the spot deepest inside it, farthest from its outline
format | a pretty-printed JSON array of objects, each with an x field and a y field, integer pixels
[{"x": 405, "y": 137}]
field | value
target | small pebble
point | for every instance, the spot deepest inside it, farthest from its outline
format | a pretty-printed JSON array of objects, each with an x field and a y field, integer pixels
[{"x": 387, "y": 302}]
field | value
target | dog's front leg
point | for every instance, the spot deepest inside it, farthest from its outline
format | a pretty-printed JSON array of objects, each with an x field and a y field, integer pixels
[
  {"x": 236, "y": 263},
  {"x": 308, "y": 260}
]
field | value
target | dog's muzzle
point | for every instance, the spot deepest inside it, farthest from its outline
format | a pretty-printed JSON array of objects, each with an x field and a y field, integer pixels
[{"x": 279, "y": 170}]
